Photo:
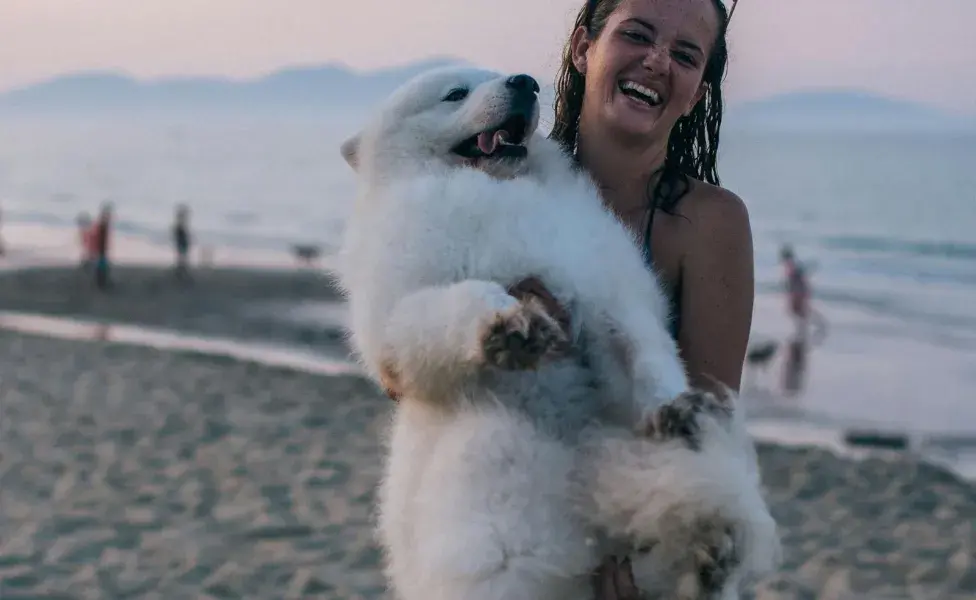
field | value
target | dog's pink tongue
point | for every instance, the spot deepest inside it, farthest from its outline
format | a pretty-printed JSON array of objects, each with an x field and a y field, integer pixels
[{"x": 488, "y": 141}]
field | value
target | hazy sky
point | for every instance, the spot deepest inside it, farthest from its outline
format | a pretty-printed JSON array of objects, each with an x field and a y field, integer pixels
[{"x": 919, "y": 49}]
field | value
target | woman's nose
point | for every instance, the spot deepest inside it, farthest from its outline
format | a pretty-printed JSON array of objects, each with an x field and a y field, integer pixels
[{"x": 657, "y": 59}]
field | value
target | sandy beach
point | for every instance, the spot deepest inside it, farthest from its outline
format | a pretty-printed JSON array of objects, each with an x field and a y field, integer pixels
[
  {"x": 133, "y": 472},
  {"x": 136, "y": 472}
]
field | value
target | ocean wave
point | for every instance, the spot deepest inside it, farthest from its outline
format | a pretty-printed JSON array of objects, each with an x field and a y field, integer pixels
[
  {"x": 233, "y": 236},
  {"x": 888, "y": 245},
  {"x": 952, "y": 325}
]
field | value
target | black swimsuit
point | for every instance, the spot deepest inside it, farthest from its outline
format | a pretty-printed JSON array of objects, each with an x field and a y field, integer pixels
[{"x": 673, "y": 295}]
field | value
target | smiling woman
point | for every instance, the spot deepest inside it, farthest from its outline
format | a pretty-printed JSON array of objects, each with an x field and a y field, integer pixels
[{"x": 639, "y": 104}]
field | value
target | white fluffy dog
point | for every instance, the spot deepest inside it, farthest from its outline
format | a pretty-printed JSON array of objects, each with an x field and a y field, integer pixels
[{"x": 520, "y": 456}]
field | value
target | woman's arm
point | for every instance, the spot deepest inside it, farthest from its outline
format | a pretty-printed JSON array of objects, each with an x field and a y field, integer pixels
[{"x": 718, "y": 288}]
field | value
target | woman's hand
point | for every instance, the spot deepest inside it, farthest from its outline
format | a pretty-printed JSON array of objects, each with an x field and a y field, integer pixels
[
  {"x": 615, "y": 581},
  {"x": 531, "y": 286}
]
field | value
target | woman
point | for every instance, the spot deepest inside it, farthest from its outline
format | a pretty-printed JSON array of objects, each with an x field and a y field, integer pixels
[{"x": 639, "y": 104}]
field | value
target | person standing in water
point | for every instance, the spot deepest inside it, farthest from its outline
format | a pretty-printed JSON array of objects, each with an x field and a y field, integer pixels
[
  {"x": 103, "y": 228},
  {"x": 797, "y": 289},
  {"x": 810, "y": 325},
  {"x": 181, "y": 242}
]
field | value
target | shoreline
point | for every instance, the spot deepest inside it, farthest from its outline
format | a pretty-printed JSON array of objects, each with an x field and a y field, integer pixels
[
  {"x": 249, "y": 305},
  {"x": 871, "y": 368},
  {"x": 278, "y": 314},
  {"x": 269, "y": 355},
  {"x": 780, "y": 433}
]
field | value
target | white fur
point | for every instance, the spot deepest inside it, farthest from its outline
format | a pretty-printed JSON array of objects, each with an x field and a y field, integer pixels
[{"x": 513, "y": 484}]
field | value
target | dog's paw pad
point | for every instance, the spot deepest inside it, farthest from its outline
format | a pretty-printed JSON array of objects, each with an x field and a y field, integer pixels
[
  {"x": 520, "y": 337},
  {"x": 715, "y": 556},
  {"x": 679, "y": 418},
  {"x": 672, "y": 422},
  {"x": 707, "y": 402}
]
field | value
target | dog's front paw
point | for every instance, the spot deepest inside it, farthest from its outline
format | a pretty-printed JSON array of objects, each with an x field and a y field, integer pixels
[
  {"x": 679, "y": 418},
  {"x": 519, "y": 338},
  {"x": 713, "y": 557}
]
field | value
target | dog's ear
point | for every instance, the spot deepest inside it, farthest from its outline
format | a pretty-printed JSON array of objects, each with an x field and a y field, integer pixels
[{"x": 350, "y": 151}]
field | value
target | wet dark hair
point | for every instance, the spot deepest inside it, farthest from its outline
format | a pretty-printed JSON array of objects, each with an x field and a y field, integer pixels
[{"x": 693, "y": 143}]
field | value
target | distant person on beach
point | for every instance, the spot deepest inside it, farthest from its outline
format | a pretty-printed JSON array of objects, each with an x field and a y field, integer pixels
[
  {"x": 798, "y": 295},
  {"x": 181, "y": 242},
  {"x": 797, "y": 288},
  {"x": 102, "y": 233}
]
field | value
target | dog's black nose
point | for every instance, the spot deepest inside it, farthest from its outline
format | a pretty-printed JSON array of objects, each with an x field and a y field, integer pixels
[{"x": 523, "y": 83}]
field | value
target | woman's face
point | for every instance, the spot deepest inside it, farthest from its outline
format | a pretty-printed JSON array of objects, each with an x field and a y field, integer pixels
[{"x": 644, "y": 71}]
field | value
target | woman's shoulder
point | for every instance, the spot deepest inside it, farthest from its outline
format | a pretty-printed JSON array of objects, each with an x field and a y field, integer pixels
[{"x": 717, "y": 217}]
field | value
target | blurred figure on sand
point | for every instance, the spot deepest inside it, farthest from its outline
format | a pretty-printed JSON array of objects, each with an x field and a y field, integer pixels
[
  {"x": 181, "y": 242},
  {"x": 101, "y": 233}
]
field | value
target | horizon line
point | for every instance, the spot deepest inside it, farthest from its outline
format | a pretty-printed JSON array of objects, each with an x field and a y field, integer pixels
[{"x": 392, "y": 68}]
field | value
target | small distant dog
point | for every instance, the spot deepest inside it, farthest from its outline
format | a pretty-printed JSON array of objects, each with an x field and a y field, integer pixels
[
  {"x": 520, "y": 454},
  {"x": 759, "y": 357},
  {"x": 306, "y": 253},
  {"x": 761, "y": 354}
]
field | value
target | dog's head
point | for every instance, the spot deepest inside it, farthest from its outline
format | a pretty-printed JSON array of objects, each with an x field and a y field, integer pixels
[{"x": 450, "y": 117}]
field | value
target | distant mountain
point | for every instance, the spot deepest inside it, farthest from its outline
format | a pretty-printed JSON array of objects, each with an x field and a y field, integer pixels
[
  {"x": 320, "y": 90},
  {"x": 848, "y": 110},
  {"x": 294, "y": 90}
]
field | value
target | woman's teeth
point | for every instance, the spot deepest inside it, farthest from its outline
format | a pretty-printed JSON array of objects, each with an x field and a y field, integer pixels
[{"x": 640, "y": 92}]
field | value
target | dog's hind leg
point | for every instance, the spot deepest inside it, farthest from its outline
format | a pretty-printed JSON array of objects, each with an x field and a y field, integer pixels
[
  {"x": 686, "y": 488},
  {"x": 436, "y": 336},
  {"x": 499, "y": 495}
]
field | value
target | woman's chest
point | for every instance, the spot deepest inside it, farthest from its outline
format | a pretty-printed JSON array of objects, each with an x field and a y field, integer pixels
[{"x": 664, "y": 243}]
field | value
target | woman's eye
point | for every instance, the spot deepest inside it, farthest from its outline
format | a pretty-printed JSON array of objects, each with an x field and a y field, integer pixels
[
  {"x": 685, "y": 58},
  {"x": 456, "y": 95},
  {"x": 636, "y": 36}
]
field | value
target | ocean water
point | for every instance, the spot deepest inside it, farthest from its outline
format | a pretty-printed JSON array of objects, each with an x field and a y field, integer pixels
[
  {"x": 886, "y": 222},
  {"x": 259, "y": 183}
]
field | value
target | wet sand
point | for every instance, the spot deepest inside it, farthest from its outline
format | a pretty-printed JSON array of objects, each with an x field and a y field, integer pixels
[{"x": 227, "y": 302}]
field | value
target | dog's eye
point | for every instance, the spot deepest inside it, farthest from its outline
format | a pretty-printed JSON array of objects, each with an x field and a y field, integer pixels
[{"x": 456, "y": 95}]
